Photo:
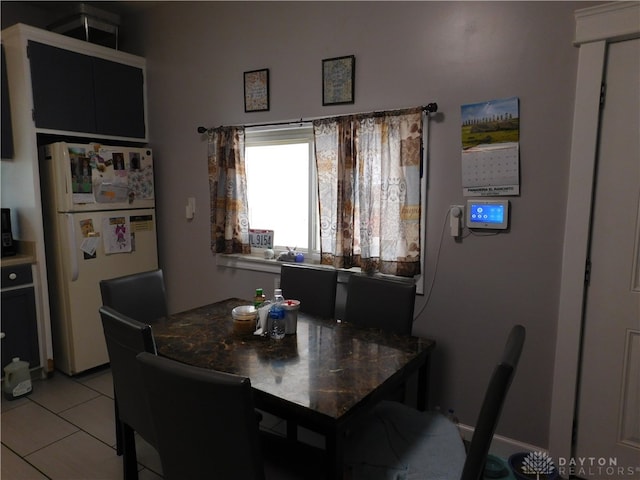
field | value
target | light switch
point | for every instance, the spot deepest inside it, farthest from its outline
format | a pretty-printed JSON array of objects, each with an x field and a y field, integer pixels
[{"x": 190, "y": 209}]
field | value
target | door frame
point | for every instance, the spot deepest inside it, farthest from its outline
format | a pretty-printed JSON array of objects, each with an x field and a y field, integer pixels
[{"x": 595, "y": 27}]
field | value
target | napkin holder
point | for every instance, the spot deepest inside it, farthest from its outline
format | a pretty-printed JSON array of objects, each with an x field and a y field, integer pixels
[{"x": 262, "y": 324}]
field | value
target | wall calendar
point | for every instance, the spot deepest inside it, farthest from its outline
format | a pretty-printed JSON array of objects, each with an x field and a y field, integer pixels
[{"x": 490, "y": 148}]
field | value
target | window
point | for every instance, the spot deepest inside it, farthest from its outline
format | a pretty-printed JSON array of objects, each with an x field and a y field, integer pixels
[{"x": 282, "y": 187}]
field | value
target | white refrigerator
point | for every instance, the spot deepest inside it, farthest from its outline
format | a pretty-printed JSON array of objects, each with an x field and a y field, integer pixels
[{"x": 100, "y": 223}]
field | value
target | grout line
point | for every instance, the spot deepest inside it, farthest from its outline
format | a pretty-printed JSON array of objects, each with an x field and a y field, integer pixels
[{"x": 24, "y": 459}]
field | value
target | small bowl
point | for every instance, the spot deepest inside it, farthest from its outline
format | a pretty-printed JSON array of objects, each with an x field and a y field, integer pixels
[
  {"x": 244, "y": 312},
  {"x": 291, "y": 304}
]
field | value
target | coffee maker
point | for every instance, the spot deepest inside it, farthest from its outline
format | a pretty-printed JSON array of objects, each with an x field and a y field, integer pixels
[{"x": 8, "y": 245}]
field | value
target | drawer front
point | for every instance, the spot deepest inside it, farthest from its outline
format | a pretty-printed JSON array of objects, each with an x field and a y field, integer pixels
[{"x": 16, "y": 276}]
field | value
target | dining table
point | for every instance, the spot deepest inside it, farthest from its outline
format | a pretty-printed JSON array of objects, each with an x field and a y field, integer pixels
[{"x": 324, "y": 377}]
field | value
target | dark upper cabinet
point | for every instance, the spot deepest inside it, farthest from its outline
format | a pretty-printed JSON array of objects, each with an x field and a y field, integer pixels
[
  {"x": 80, "y": 93},
  {"x": 62, "y": 83},
  {"x": 119, "y": 98}
]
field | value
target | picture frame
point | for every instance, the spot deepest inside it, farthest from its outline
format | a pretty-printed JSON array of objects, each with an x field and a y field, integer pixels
[
  {"x": 338, "y": 80},
  {"x": 256, "y": 90}
]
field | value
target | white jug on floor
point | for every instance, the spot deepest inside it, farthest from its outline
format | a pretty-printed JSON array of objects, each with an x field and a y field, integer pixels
[{"x": 17, "y": 379}]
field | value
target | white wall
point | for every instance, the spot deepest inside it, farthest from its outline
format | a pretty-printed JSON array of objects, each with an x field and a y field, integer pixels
[{"x": 407, "y": 54}]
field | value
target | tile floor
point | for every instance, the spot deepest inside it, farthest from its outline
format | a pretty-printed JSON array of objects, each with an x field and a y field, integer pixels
[{"x": 65, "y": 430}]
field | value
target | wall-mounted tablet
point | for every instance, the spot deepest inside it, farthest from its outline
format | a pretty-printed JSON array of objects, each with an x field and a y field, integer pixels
[{"x": 483, "y": 213}]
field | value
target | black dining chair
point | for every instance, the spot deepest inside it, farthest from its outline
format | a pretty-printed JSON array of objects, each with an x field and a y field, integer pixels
[
  {"x": 396, "y": 438},
  {"x": 380, "y": 302},
  {"x": 140, "y": 296},
  {"x": 126, "y": 338},
  {"x": 206, "y": 427},
  {"x": 204, "y": 420},
  {"x": 315, "y": 287}
]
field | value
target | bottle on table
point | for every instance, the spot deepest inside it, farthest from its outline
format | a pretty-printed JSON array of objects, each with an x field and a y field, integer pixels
[
  {"x": 259, "y": 298},
  {"x": 277, "y": 325}
]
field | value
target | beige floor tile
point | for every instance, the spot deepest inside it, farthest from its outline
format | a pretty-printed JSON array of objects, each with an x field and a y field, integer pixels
[
  {"x": 95, "y": 416},
  {"x": 30, "y": 427},
  {"x": 101, "y": 381},
  {"x": 78, "y": 456},
  {"x": 15, "y": 468},
  {"x": 60, "y": 392},
  {"x": 7, "y": 405}
]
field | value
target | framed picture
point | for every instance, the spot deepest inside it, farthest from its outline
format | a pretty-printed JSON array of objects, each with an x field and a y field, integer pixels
[
  {"x": 256, "y": 90},
  {"x": 338, "y": 80}
]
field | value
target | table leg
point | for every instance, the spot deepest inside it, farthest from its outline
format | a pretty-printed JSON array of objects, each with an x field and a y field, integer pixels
[{"x": 335, "y": 455}]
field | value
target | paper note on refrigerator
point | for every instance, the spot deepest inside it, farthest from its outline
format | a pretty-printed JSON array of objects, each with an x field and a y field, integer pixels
[
  {"x": 81, "y": 175},
  {"x": 140, "y": 175},
  {"x": 112, "y": 193},
  {"x": 89, "y": 245},
  {"x": 116, "y": 232}
]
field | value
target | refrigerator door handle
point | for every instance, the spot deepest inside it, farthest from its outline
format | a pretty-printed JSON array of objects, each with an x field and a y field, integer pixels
[{"x": 71, "y": 232}]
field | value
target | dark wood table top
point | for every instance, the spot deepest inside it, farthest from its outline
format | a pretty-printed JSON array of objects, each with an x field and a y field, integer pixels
[{"x": 327, "y": 367}]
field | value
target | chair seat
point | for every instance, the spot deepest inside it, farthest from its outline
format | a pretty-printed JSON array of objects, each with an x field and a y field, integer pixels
[{"x": 397, "y": 442}]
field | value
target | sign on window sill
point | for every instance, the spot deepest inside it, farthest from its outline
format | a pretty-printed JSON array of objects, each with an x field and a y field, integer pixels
[{"x": 260, "y": 239}]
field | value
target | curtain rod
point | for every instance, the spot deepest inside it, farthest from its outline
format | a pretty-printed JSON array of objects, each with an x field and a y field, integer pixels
[{"x": 429, "y": 108}]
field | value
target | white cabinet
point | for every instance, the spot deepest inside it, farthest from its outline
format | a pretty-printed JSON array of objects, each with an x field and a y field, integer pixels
[{"x": 112, "y": 110}]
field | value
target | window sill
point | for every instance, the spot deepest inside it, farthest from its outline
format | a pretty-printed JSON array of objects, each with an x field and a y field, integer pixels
[
  {"x": 260, "y": 264},
  {"x": 248, "y": 262}
]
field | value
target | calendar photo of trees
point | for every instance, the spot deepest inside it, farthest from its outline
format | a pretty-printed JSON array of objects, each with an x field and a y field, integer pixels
[{"x": 490, "y": 123}]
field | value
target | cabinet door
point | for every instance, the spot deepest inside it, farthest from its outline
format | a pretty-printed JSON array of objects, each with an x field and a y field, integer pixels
[
  {"x": 19, "y": 324},
  {"x": 119, "y": 98},
  {"x": 62, "y": 83}
]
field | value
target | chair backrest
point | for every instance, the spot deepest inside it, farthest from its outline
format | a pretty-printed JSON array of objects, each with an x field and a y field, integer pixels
[
  {"x": 141, "y": 295},
  {"x": 381, "y": 303},
  {"x": 314, "y": 287},
  {"x": 492, "y": 405},
  {"x": 126, "y": 338},
  {"x": 204, "y": 419}
]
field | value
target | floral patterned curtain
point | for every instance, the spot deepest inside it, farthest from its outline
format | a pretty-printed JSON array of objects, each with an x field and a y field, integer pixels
[
  {"x": 335, "y": 166},
  {"x": 228, "y": 191},
  {"x": 369, "y": 191}
]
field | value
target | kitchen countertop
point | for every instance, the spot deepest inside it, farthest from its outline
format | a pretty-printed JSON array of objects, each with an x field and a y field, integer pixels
[{"x": 26, "y": 255}]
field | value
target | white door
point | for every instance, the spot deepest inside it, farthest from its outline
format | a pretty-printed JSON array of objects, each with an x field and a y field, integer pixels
[{"x": 608, "y": 415}]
